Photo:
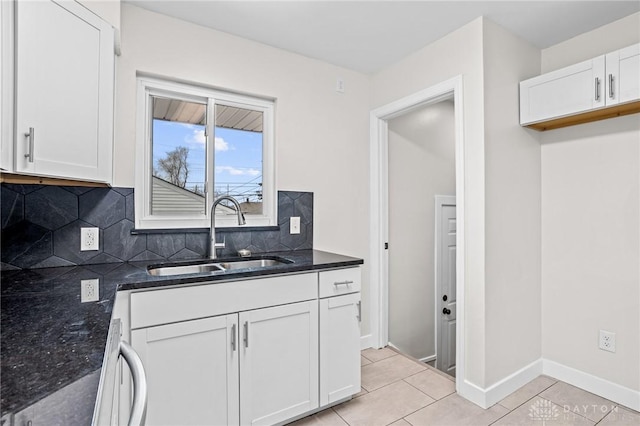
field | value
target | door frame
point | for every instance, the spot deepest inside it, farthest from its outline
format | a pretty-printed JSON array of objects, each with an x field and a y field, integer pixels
[
  {"x": 440, "y": 201},
  {"x": 379, "y": 209}
]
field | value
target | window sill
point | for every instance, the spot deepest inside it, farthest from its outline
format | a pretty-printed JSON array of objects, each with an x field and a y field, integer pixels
[{"x": 203, "y": 230}]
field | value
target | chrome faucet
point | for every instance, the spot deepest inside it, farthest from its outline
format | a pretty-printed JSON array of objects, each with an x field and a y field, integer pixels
[{"x": 212, "y": 234}]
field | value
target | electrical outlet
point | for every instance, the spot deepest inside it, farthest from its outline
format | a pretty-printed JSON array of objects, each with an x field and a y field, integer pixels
[
  {"x": 294, "y": 225},
  {"x": 607, "y": 341},
  {"x": 89, "y": 239},
  {"x": 89, "y": 290},
  {"x": 339, "y": 85}
]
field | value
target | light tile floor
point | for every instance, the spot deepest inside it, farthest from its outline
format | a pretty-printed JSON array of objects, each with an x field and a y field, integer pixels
[{"x": 399, "y": 391}]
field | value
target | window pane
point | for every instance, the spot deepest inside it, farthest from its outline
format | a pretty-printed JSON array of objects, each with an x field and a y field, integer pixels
[
  {"x": 238, "y": 157},
  {"x": 178, "y": 146}
]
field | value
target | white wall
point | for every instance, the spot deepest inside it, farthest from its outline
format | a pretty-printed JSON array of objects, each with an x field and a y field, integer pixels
[
  {"x": 512, "y": 197},
  {"x": 591, "y": 228},
  {"x": 616, "y": 35},
  {"x": 321, "y": 135},
  {"x": 109, "y": 10},
  {"x": 458, "y": 53},
  {"x": 421, "y": 166}
]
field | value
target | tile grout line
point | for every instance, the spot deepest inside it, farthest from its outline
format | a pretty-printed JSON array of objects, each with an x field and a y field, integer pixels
[{"x": 423, "y": 392}]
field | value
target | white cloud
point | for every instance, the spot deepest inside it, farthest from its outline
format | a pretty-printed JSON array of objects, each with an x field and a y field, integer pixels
[
  {"x": 237, "y": 172},
  {"x": 197, "y": 138},
  {"x": 221, "y": 144}
]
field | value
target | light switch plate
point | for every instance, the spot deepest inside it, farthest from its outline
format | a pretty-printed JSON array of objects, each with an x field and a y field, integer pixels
[{"x": 294, "y": 225}]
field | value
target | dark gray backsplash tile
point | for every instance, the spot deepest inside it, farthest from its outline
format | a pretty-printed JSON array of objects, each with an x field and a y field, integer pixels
[
  {"x": 50, "y": 207},
  {"x": 41, "y": 228}
]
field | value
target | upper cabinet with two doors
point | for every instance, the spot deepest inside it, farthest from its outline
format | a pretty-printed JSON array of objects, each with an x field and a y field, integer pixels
[
  {"x": 57, "y": 91},
  {"x": 603, "y": 87}
]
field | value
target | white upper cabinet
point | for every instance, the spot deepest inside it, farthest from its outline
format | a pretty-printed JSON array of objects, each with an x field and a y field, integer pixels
[
  {"x": 574, "y": 94},
  {"x": 623, "y": 75},
  {"x": 63, "y": 91}
]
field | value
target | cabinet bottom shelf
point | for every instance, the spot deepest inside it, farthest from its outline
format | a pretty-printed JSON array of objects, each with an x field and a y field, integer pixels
[{"x": 587, "y": 117}]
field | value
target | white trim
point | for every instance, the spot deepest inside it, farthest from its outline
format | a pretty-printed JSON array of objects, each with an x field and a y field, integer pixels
[
  {"x": 440, "y": 201},
  {"x": 505, "y": 387},
  {"x": 428, "y": 358},
  {"x": 151, "y": 86},
  {"x": 485, "y": 398},
  {"x": 425, "y": 359},
  {"x": 378, "y": 225},
  {"x": 596, "y": 385},
  {"x": 7, "y": 100},
  {"x": 365, "y": 342}
]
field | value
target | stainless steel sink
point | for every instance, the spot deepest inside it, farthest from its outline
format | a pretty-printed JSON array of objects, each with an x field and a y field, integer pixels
[
  {"x": 219, "y": 266},
  {"x": 184, "y": 269},
  {"x": 255, "y": 263}
]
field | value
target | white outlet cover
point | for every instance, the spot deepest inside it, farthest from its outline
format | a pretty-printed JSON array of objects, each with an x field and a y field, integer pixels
[
  {"x": 89, "y": 290},
  {"x": 607, "y": 341},
  {"x": 89, "y": 239}
]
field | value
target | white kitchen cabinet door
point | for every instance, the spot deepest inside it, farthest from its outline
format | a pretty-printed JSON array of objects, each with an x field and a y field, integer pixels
[
  {"x": 64, "y": 91},
  {"x": 570, "y": 90},
  {"x": 339, "y": 347},
  {"x": 623, "y": 75},
  {"x": 192, "y": 371},
  {"x": 279, "y": 362}
]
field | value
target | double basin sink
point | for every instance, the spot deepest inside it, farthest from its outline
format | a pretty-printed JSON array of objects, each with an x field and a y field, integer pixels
[{"x": 213, "y": 265}]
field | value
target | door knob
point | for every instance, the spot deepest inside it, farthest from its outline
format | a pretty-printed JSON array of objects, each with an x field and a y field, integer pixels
[
  {"x": 446, "y": 311},
  {"x": 444, "y": 297}
]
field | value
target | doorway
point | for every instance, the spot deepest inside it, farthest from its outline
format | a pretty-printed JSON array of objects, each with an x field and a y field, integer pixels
[
  {"x": 379, "y": 219},
  {"x": 421, "y": 164}
]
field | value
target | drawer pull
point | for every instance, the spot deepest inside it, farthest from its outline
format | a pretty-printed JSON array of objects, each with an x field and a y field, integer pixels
[
  {"x": 246, "y": 334},
  {"x": 359, "y": 311},
  {"x": 346, "y": 282}
]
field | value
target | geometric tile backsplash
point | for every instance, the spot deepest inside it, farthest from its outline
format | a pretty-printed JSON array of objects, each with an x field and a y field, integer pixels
[{"x": 41, "y": 228}]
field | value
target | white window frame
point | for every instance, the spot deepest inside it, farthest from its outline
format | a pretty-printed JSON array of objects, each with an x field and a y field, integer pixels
[{"x": 149, "y": 86}]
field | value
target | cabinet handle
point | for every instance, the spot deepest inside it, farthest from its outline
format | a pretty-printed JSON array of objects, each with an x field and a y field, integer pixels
[
  {"x": 31, "y": 135},
  {"x": 233, "y": 337},
  {"x": 246, "y": 334},
  {"x": 597, "y": 89},
  {"x": 611, "y": 86},
  {"x": 359, "y": 311},
  {"x": 139, "y": 406},
  {"x": 347, "y": 282}
]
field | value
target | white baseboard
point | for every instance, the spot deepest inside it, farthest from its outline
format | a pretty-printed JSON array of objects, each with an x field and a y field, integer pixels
[
  {"x": 428, "y": 358},
  {"x": 365, "y": 342},
  {"x": 485, "y": 398},
  {"x": 597, "y": 385}
]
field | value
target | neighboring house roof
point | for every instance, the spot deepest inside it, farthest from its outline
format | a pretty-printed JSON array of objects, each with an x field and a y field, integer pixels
[{"x": 168, "y": 198}]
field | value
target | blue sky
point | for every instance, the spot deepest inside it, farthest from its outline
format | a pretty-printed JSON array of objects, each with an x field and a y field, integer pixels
[{"x": 238, "y": 153}]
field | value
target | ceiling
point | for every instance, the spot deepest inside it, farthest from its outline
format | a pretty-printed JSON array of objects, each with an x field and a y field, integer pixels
[
  {"x": 195, "y": 113},
  {"x": 367, "y": 36}
]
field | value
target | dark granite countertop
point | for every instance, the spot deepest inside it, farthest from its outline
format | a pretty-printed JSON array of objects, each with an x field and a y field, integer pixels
[{"x": 50, "y": 341}]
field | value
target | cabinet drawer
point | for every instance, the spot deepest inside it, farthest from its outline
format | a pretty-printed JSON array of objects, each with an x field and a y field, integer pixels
[
  {"x": 164, "y": 306},
  {"x": 340, "y": 281}
]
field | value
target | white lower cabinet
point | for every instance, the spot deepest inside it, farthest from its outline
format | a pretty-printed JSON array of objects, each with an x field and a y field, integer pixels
[
  {"x": 339, "y": 347},
  {"x": 192, "y": 371},
  {"x": 278, "y": 363},
  {"x": 258, "y": 367},
  {"x": 253, "y": 352}
]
